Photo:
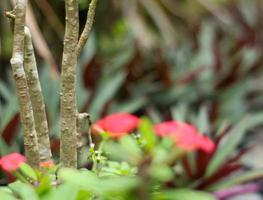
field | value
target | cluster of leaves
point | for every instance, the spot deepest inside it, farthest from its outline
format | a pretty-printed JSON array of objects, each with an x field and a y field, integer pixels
[{"x": 142, "y": 166}]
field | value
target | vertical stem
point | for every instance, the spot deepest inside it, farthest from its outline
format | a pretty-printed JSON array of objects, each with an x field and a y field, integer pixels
[
  {"x": 88, "y": 25},
  {"x": 68, "y": 146},
  {"x": 36, "y": 98},
  {"x": 26, "y": 113}
]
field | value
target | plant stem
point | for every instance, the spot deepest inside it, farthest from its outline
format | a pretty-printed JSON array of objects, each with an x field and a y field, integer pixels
[
  {"x": 36, "y": 98},
  {"x": 88, "y": 25},
  {"x": 26, "y": 113},
  {"x": 68, "y": 146}
]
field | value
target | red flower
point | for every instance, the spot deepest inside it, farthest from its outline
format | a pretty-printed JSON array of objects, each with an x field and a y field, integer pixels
[
  {"x": 12, "y": 162},
  {"x": 117, "y": 124},
  {"x": 47, "y": 164},
  {"x": 185, "y": 136}
]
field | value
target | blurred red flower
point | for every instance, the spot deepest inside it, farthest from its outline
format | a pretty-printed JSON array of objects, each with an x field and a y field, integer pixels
[
  {"x": 185, "y": 136},
  {"x": 117, "y": 124},
  {"x": 12, "y": 162},
  {"x": 47, "y": 164}
]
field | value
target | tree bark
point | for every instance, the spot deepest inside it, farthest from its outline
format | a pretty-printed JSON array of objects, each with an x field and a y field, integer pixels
[
  {"x": 88, "y": 25},
  {"x": 68, "y": 146},
  {"x": 26, "y": 113},
  {"x": 36, "y": 98}
]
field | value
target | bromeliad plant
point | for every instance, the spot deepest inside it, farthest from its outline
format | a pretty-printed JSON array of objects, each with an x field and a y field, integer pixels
[{"x": 138, "y": 160}]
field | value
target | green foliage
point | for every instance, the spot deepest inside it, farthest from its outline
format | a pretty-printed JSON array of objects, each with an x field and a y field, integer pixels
[
  {"x": 213, "y": 76},
  {"x": 133, "y": 166},
  {"x": 186, "y": 194},
  {"x": 235, "y": 136},
  {"x": 28, "y": 171}
]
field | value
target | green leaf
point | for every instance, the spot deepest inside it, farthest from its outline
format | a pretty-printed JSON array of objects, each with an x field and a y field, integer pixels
[
  {"x": 202, "y": 121},
  {"x": 235, "y": 136},
  {"x": 107, "y": 88},
  {"x": 89, "y": 181},
  {"x": 130, "y": 145},
  {"x": 186, "y": 194},
  {"x": 6, "y": 196},
  {"x": 161, "y": 172},
  {"x": 117, "y": 184},
  {"x": 84, "y": 195},
  {"x": 130, "y": 106},
  {"x": 28, "y": 171},
  {"x": 85, "y": 179},
  {"x": 179, "y": 113},
  {"x": 117, "y": 169},
  {"x": 5, "y": 91},
  {"x": 147, "y": 133},
  {"x": 24, "y": 191},
  {"x": 65, "y": 191},
  {"x": 237, "y": 180},
  {"x": 9, "y": 110}
]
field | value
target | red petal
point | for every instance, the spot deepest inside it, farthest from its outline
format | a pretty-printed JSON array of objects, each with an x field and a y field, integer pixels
[
  {"x": 11, "y": 162},
  {"x": 185, "y": 136},
  {"x": 118, "y": 124},
  {"x": 47, "y": 164}
]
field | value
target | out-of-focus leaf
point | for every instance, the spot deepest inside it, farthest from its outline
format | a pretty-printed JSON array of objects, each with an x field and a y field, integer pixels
[
  {"x": 235, "y": 136},
  {"x": 130, "y": 145},
  {"x": 179, "y": 113},
  {"x": 5, "y": 91},
  {"x": 117, "y": 169},
  {"x": 186, "y": 194},
  {"x": 91, "y": 182},
  {"x": 6, "y": 196},
  {"x": 50, "y": 90},
  {"x": 6, "y": 149},
  {"x": 202, "y": 121},
  {"x": 24, "y": 191},
  {"x": 65, "y": 191},
  {"x": 8, "y": 110},
  {"x": 147, "y": 133},
  {"x": 237, "y": 180},
  {"x": 116, "y": 151},
  {"x": 106, "y": 90},
  {"x": 28, "y": 171},
  {"x": 161, "y": 172},
  {"x": 9, "y": 133},
  {"x": 82, "y": 93},
  {"x": 129, "y": 106},
  {"x": 85, "y": 179},
  {"x": 89, "y": 50}
]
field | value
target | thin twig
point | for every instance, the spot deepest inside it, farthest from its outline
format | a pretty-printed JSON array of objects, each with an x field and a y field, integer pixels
[{"x": 87, "y": 29}]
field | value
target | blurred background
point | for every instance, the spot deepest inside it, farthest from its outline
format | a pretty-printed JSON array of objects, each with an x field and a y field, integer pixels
[{"x": 193, "y": 60}]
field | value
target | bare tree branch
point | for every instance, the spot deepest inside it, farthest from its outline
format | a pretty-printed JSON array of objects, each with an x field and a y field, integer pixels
[
  {"x": 89, "y": 22},
  {"x": 36, "y": 98},
  {"x": 26, "y": 113},
  {"x": 68, "y": 135}
]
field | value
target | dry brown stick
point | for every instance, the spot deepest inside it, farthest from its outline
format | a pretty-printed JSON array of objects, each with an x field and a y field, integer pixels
[
  {"x": 36, "y": 98},
  {"x": 68, "y": 126},
  {"x": 26, "y": 113},
  {"x": 88, "y": 25}
]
